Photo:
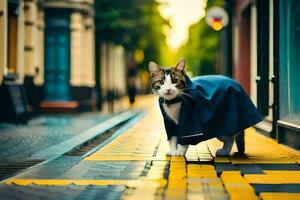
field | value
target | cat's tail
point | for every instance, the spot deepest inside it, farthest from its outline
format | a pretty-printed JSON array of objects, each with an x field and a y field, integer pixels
[{"x": 240, "y": 142}]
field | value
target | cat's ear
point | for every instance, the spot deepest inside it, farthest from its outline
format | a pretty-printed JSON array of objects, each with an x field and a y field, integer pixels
[
  {"x": 181, "y": 65},
  {"x": 153, "y": 67}
]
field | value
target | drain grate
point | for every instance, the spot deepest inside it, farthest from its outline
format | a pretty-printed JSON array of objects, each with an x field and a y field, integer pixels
[
  {"x": 10, "y": 169},
  {"x": 89, "y": 145}
]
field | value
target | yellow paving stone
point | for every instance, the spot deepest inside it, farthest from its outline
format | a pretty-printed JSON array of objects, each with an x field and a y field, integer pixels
[
  {"x": 283, "y": 172},
  {"x": 274, "y": 161},
  {"x": 237, "y": 186},
  {"x": 203, "y": 175},
  {"x": 232, "y": 177},
  {"x": 174, "y": 194},
  {"x": 207, "y": 196},
  {"x": 200, "y": 167},
  {"x": 242, "y": 196},
  {"x": 241, "y": 160},
  {"x": 176, "y": 177},
  {"x": 199, "y": 196},
  {"x": 194, "y": 185},
  {"x": 204, "y": 188},
  {"x": 221, "y": 159},
  {"x": 279, "y": 196},
  {"x": 177, "y": 184},
  {"x": 192, "y": 159},
  {"x": 159, "y": 163},
  {"x": 60, "y": 182},
  {"x": 272, "y": 178},
  {"x": 178, "y": 159}
]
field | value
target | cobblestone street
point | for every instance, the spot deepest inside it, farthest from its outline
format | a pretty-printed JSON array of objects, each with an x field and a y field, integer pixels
[
  {"x": 149, "y": 100},
  {"x": 134, "y": 166},
  {"x": 21, "y": 141},
  {"x": 18, "y": 142}
]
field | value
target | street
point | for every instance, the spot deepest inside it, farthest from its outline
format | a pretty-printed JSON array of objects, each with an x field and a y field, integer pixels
[
  {"x": 90, "y": 91},
  {"x": 134, "y": 166}
]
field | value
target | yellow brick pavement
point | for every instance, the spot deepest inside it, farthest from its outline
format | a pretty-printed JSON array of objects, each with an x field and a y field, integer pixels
[{"x": 193, "y": 176}]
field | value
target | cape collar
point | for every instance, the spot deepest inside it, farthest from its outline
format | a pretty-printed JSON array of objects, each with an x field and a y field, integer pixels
[
  {"x": 189, "y": 83},
  {"x": 172, "y": 101}
]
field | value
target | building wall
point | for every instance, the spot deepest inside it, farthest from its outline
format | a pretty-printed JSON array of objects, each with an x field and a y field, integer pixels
[
  {"x": 113, "y": 69},
  {"x": 39, "y": 61},
  {"x": 31, "y": 37},
  {"x": 120, "y": 71},
  {"x": 271, "y": 58},
  {"x": 241, "y": 57},
  {"x": 82, "y": 50},
  {"x": 17, "y": 42},
  {"x": 253, "y": 55},
  {"x": 103, "y": 68},
  {"x": 20, "y": 44},
  {"x": 76, "y": 49},
  {"x": 28, "y": 46},
  {"x": 89, "y": 53},
  {"x": 3, "y": 38},
  {"x": 274, "y": 35}
]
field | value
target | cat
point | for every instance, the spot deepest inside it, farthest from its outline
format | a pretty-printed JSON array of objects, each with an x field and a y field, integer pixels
[{"x": 176, "y": 90}]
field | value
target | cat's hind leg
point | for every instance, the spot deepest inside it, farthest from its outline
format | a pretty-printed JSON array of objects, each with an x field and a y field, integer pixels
[
  {"x": 172, "y": 146},
  {"x": 240, "y": 142},
  {"x": 227, "y": 145}
]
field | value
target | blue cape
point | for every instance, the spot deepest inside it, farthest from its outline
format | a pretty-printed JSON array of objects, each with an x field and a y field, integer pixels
[{"x": 214, "y": 106}]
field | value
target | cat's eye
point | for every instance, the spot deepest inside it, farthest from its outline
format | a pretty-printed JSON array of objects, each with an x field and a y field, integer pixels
[
  {"x": 161, "y": 82},
  {"x": 175, "y": 81}
]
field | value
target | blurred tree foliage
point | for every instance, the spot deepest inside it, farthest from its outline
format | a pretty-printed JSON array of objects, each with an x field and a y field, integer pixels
[
  {"x": 201, "y": 49},
  {"x": 132, "y": 24}
]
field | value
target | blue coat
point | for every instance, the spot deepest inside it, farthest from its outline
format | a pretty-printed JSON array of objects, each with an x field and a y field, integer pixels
[{"x": 215, "y": 106}]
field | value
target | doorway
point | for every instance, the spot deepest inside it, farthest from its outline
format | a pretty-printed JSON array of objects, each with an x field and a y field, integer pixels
[{"x": 57, "y": 57}]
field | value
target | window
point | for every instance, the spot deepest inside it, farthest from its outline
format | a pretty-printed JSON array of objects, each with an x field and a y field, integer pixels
[{"x": 289, "y": 66}]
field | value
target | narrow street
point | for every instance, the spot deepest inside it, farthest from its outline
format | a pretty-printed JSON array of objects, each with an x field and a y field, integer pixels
[
  {"x": 90, "y": 91},
  {"x": 134, "y": 166}
]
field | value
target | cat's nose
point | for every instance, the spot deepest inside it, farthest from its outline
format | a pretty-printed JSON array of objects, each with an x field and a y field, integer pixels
[{"x": 169, "y": 90}]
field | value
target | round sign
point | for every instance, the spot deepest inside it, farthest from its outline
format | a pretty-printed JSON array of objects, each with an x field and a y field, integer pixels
[{"x": 217, "y": 18}]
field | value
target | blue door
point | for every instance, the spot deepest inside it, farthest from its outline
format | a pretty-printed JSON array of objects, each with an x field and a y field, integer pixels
[{"x": 57, "y": 60}]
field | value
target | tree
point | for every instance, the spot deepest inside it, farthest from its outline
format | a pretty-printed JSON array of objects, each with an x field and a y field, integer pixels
[
  {"x": 138, "y": 25},
  {"x": 201, "y": 49}
]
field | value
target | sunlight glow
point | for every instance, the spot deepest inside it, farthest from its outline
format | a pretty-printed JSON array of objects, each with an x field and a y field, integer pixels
[{"x": 182, "y": 14}]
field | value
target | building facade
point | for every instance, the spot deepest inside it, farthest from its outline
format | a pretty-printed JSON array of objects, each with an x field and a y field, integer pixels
[
  {"x": 262, "y": 44},
  {"x": 47, "y": 53},
  {"x": 69, "y": 76}
]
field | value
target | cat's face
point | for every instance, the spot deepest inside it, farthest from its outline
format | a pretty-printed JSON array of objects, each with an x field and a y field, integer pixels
[{"x": 167, "y": 82}]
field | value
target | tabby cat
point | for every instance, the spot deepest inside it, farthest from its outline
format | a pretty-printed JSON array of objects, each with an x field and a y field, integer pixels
[{"x": 170, "y": 84}]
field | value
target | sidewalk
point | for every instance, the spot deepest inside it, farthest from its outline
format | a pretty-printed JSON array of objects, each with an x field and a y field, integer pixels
[
  {"x": 18, "y": 142},
  {"x": 134, "y": 166}
]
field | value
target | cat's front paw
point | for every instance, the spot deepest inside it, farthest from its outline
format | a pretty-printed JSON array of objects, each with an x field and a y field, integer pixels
[
  {"x": 178, "y": 153},
  {"x": 222, "y": 152},
  {"x": 169, "y": 153}
]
